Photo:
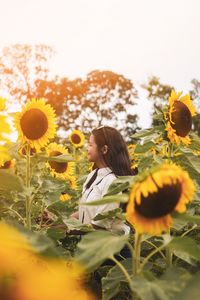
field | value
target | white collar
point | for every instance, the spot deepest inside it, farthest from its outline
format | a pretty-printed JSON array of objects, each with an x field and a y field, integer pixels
[{"x": 104, "y": 171}]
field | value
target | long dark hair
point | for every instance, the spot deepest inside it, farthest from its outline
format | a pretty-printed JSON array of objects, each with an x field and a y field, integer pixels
[{"x": 117, "y": 157}]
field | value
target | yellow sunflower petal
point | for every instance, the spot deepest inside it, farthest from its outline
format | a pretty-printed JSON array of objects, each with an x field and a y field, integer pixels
[
  {"x": 77, "y": 138},
  {"x": 179, "y": 124},
  {"x": 36, "y": 123},
  {"x": 60, "y": 170},
  {"x": 165, "y": 189}
]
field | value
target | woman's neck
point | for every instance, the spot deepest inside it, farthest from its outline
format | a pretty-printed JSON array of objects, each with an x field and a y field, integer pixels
[{"x": 101, "y": 165}]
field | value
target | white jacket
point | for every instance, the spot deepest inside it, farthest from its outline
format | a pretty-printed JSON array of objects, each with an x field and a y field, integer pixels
[{"x": 96, "y": 191}]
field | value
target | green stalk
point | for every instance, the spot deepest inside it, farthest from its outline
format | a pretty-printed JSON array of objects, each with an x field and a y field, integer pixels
[
  {"x": 137, "y": 250},
  {"x": 17, "y": 214},
  {"x": 28, "y": 199},
  {"x": 42, "y": 212},
  {"x": 153, "y": 245},
  {"x": 145, "y": 261},
  {"x": 132, "y": 253},
  {"x": 169, "y": 255},
  {"x": 124, "y": 271}
]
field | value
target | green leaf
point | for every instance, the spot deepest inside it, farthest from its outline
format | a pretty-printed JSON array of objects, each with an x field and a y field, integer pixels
[
  {"x": 178, "y": 224},
  {"x": 148, "y": 132},
  {"x": 51, "y": 189},
  {"x": 56, "y": 233},
  {"x": 144, "y": 147},
  {"x": 111, "y": 214},
  {"x": 189, "y": 165},
  {"x": 185, "y": 247},
  {"x": 186, "y": 218},
  {"x": 164, "y": 288},
  {"x": 120, "y": 184},
  {"x": 123, "y": 198},
  {"x": 111, "y": 283},
  {"x": 177, "y": 277},
  {"x": 97, "y": 246},
  {"x": 59, "y": 158},
  {"x": 195, "y": 142},
  {"x": 191, "y": 291},
  {"x": 73, "y": 224},
  {"x": 9, "y": 181},
  {"x": 40, "y": 242},
  {"x": 148, "y": 290},
  {"x": 146, "y": 163}
]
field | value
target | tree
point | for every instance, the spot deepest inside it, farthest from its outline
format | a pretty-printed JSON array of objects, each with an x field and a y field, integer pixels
[
  {"x": 54, "y": 91},
  {"x": 103, "y": 97},
  {"x": 158, "y": 93},
  {"x": 20, "y": 66}
]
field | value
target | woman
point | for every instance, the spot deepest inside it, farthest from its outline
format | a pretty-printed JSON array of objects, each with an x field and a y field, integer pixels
[{"x": 108, "y": 151}]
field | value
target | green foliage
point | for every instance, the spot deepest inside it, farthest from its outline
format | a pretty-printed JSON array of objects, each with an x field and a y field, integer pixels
[
  {"x": 112, "y": 283},
  {"x": 96, "y": 247}
]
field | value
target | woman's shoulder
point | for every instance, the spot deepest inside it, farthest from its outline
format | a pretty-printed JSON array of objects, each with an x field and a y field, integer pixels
[
  {"x": 106, "y": 181},
  {"x": 89, "y": 176}
]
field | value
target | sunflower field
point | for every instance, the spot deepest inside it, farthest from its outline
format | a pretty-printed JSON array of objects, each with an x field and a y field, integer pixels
[{"x": 46, "y": 254}]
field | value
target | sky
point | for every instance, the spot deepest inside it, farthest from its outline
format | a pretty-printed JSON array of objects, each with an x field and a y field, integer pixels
[{"x": 136, "y": 38}]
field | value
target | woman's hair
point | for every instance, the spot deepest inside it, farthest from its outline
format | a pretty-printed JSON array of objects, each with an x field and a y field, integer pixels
[{"x": 117, "y": 157}]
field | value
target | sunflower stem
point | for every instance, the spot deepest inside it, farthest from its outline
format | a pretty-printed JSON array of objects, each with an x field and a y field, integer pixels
[
  {"x": 28, "y": 198},
  {"x": 145, "y": 261},
  {"x": 17, "y": 214},
  {"x": 131, "y": 249},
  {"x": 169, "y": 255},
  {"x": 170, "y": 150},
  {"x": 153, "y": 245},
  {"x": 124, "y": 271},
  {"x": 42, "y": 212},
  {"x": 75, "y": 159},
  {"x": 137, "y": 250}
]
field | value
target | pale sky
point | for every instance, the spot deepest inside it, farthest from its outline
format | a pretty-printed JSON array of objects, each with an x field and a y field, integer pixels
[{"x": 136, "y": 38}]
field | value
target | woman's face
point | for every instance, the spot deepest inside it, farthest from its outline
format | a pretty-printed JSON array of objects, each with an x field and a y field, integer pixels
[{"x": 93, "y": 155}]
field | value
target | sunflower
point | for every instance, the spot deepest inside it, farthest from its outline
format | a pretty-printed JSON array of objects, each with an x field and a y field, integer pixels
[
  {"x": 49, "y": 275},
  {"x": 77, "y": 138},
  {"x": 8, "y": 164},
  {"x": 134, "y": 168},
  {"x": 23, "y": 151},
  {"x": 73, "y": 182},
  {"x": 54, "y": 280},
  {"x": 2, "y": 103},
  {"x": 61, "y": 170},
  {"x": 36, "y": 123},
  {"x": 197, "y": 152},
  {"x": 131, "y": 147},
  {"x": 65, "y": 197},
  {"x": 179, "y": 118},
  {"x": 154, "y": 197},
  {"x": 12, "y": 242},
  {"x": 6, "y": 161},
  {"x": 4, "y": 125}
]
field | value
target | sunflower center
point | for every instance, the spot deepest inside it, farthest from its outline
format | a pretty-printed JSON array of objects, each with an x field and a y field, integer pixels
[
  {"x": 75, "y": 138},
  {"x": 182, "y": 119},
  {"x": 6, "y": 165},
  {"x": 161, "y": 203},
  {"x": 32, "y": 151},
  {"x": 58, "y": 167},
  {"x": 34, "y": 124}
]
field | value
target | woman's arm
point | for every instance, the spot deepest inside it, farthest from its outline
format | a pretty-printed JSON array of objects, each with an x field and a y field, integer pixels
[{"x": 75, "y": 215}]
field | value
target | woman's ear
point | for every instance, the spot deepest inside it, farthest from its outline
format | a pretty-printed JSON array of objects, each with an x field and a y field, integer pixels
[{"x": 104, "y": 149}]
